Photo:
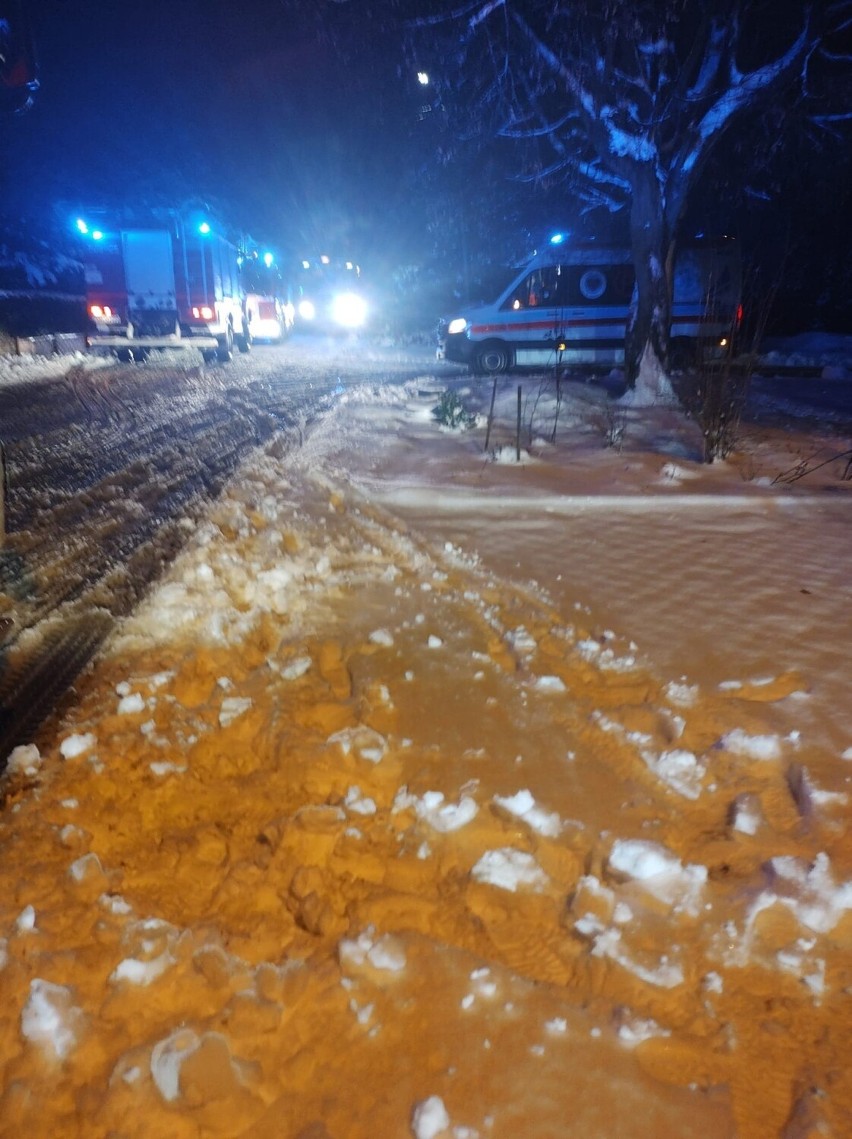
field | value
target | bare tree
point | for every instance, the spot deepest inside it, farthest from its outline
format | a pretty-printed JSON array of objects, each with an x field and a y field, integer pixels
[{"x": 627, "y": 99}]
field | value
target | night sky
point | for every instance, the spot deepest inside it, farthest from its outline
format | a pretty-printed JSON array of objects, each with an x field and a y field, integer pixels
[
  {"x": 299, "y": 123},
  {"x": 250, "y": 106}
]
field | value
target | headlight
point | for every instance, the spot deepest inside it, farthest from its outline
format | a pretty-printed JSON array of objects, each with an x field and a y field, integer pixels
[
  {"x": 456, "y": 326},
  {"x": 307, "y": 311},
  {"x": 349, "y": 310}
]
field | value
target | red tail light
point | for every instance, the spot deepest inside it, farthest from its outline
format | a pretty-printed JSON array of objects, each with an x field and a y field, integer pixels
[
  {"x": 203, "y": 312},
  {"x": 99, "y": 311},
  {"x": 739, "y": 314}
]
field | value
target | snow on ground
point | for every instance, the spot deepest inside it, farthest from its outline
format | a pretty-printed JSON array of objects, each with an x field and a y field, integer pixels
[{"x": 434, "y": 796}]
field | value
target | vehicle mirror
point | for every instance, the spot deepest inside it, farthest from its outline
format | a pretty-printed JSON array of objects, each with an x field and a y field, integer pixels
[{"x": 18, "y": 69}]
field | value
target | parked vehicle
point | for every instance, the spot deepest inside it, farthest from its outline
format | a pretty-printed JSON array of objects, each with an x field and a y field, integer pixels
[
  {"x": 570, "y": 305},
  {"x": 162, "y": 280},
  {"x": 269, "y": 309},
  {"x": 330, "y": 295}
]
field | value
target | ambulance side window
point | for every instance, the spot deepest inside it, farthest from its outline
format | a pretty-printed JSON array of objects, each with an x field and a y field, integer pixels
[{"x": 539, "y": 289}]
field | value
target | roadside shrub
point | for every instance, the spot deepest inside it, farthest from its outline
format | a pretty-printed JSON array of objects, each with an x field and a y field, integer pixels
[{"x": 451, "y": 412}]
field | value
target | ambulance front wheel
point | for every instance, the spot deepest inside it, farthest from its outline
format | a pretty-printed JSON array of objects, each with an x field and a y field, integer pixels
[{"x": 491, "y": 358}]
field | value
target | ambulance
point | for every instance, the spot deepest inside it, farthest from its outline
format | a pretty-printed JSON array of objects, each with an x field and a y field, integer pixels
[{"x": 570, "y": 305}]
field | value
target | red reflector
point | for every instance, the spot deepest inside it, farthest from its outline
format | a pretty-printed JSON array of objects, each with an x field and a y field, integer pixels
[{"x": 739, "y": 314}]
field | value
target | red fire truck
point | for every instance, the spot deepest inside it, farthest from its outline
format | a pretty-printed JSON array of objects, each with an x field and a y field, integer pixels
[{"x": 162, "y": 280}]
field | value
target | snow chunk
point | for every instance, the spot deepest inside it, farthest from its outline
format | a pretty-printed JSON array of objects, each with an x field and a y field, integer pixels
[
  {"x": 232, "y": 708},
  {"x": 678, "y": 769},
  {"x": 75, "y": 745},
  {"x": 661, "y": 873},
  {"x": 50, "y": 1019},
  {"x": 167, "y": 1058},
  {"x": 141, "y": 972},
  {"x": 434, "y": 642},
  {"x": 745, "y": 814},
  {"x": 386, "y": 954},
  {"x": 26, "y": 920},
  {"x": 85, "y": 866},
  {"x": 128, "y": 705},
  {"x": 296, "y": 668},
  {"x": 523, "y": 806},
  {"x": 508, "y": 869},
  {"x": 681, "y": 695},
  {"x": 550, "y": 684},
  {"x": 439, "y": 815},
  {"x": 364, "y": 742},
  {"x": 23, "y": 760},
  {"x": 429, "y": 1118},
  {"x": 360, "y": 804},
  {"x": 753, "y": 747},
  {"x": 381, "y": 637}
]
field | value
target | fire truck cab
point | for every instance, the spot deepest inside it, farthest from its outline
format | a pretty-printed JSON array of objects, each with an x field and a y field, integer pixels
[{"x": 162, "y": 281}]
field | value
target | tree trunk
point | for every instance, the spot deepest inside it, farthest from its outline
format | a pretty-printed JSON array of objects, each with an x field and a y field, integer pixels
[{"x": 646, "y": 347}]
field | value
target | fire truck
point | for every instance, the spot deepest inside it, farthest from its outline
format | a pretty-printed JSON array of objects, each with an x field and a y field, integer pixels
[{"x": 160, "y": 280}]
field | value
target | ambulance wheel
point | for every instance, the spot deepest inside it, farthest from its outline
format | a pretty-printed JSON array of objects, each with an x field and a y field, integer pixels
[
  {"x": 225, "y": 351},
  {"x": 491, "y": 358}
]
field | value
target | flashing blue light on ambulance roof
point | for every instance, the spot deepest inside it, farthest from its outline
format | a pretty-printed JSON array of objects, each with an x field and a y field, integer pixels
[
  {"x": 81, "y": 226},
  {"x": 204, "y": 227},
  {"x": 557, "y": 238},
  {"x": 97, "y": 235},
  {"x": 268, "y": 260}
]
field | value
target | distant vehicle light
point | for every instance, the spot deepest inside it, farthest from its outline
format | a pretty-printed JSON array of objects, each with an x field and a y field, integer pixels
[
  {"x": 203, "y": 312},
  {"x": 268, "y": 260},
  {"x": 557, "y": 239},
  {"x": 204, "y": 227},
  {"x": 423, "y": 78},
  {"x": 81, "y": 226},
  {"x": 307, "y": 310},
  {"x": 97, "y": 235},
  {"x": 456, "y": 326},
  {"x": 349, "y": 310},
  {"x": 723, "y": 343}
]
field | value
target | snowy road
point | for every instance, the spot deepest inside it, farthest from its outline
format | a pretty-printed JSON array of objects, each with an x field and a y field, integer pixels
[{"x": 107, "y": 470}]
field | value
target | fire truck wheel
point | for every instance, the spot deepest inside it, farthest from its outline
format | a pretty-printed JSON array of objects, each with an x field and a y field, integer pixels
[
  {"x": 225, "y": 351},
  {"x": 491, "y": 358},
  {"x": 244, "y": 339}
]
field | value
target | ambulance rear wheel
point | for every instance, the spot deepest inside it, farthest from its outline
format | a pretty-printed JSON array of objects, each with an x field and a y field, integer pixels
[{"x": 491, "y": 358}]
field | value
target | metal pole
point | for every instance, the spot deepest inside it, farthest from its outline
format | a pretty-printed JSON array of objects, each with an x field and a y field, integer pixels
[
  {"x": 518, "y": 433},
  {"x": 491, "y": 413}
]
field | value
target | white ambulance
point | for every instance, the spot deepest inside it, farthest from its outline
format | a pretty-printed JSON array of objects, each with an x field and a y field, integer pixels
[{"x": 570, "y": 303}]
